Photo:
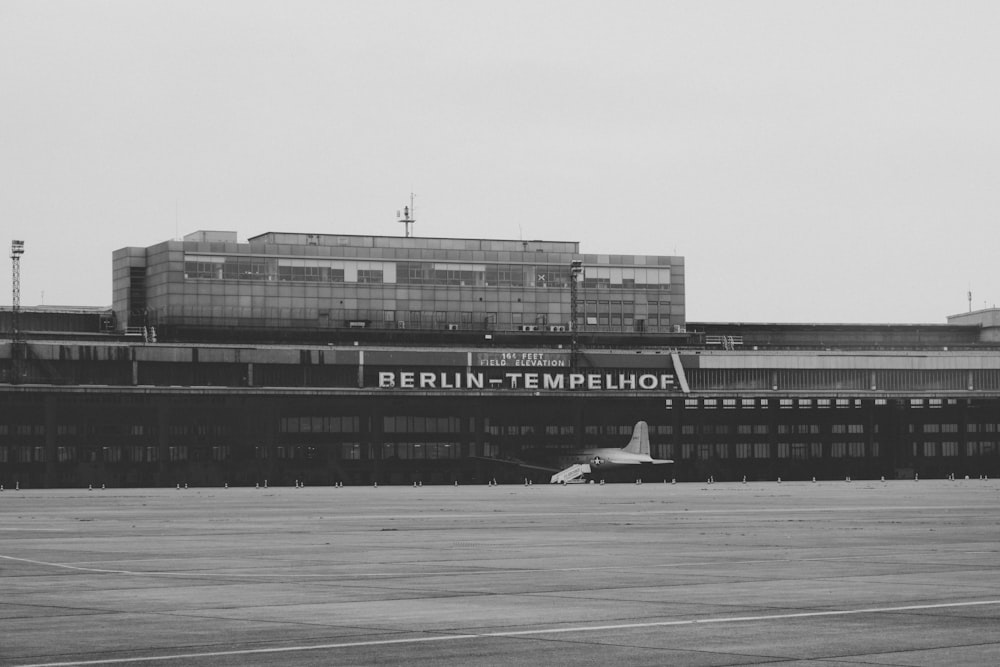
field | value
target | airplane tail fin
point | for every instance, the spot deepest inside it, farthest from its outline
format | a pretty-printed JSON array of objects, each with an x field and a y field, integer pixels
[{"x": 639, "y": 444}]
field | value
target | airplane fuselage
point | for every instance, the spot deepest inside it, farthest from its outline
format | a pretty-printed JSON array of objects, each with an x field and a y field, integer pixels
[{"x": 606, "y": 457}]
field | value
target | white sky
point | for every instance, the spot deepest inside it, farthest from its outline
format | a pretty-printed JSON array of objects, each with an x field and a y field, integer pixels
[{"x": 812, "y": 161}]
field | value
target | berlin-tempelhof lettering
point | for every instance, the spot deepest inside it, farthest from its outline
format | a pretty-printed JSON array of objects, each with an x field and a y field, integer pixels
[{"x": 525, "y": 380}]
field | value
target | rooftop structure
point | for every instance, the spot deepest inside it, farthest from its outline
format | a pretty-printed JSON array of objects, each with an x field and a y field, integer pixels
[{"x": 328, "y": 282}]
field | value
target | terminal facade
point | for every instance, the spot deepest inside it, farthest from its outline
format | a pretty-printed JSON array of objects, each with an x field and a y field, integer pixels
[
  {"x": 280, "y": 281},
  {"x": 327, "y": 359}
]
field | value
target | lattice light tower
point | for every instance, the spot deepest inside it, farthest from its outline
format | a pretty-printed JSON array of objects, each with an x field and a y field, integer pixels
[
  {"x": 16, "y": 250},
  {"x": 575, "y": 271}
]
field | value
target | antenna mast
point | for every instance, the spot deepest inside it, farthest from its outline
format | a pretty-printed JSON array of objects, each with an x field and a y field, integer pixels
[{"x": 409, "y": 215}]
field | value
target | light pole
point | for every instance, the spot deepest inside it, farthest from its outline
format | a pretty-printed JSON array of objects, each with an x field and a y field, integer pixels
[
  {"x": 16, "y": 250},
  {"x": 575, "y": 271}
]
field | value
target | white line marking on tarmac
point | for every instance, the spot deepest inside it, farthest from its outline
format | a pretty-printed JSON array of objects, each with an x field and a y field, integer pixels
[
  {"x": 521, "y": 633},
  {"x": 285, "y": 576}
]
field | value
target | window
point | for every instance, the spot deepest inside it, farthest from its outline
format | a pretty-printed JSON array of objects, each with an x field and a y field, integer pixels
[
  {"x": 369, "y": 275},
  {"x": 663, "y": 451},
  {"x": 408, "y": 424},
  {"x": 972, "y": 449},
  {"x": 318, "y": 424},
  {"x": 203, "y": 267}
]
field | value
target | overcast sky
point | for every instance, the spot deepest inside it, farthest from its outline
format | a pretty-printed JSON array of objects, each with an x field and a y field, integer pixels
[{"x": 811, "y": 161}]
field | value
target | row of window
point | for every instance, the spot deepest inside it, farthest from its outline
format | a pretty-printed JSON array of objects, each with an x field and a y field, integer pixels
[
  {"x": 317, "y": 424},
  {"x": 451, "y": 450},
  {"x": 784, "y": 403},
  {"x": 134, "y": 430},
  {"x": 952, "y": 448},
  {"x": 110, "y": 454},
  {"x": 411, "y": 424},
  {"x": 766, "y": 450},
  {"x": 353, "y": 451},
  {"x": 401, "y": 424},
  {"x": 789, "y": 403},
  {"x": 815, "y": 450},
  {"x": 219, "y": 267}
]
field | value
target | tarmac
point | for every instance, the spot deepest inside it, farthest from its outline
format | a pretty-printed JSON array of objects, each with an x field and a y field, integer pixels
[{"x": 766, "y": 573}]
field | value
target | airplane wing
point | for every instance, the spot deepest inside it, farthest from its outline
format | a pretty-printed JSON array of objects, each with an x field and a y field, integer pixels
[{"x": 519, "y": 463}]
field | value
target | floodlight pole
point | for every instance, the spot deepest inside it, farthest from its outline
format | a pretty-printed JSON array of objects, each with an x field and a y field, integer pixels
[
  {"x": 16, "y": 342},
  {"x": 575, "y": 271}
]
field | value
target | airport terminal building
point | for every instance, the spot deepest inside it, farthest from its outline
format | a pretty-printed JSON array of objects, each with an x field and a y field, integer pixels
[{"x": 321, "y": 358}]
